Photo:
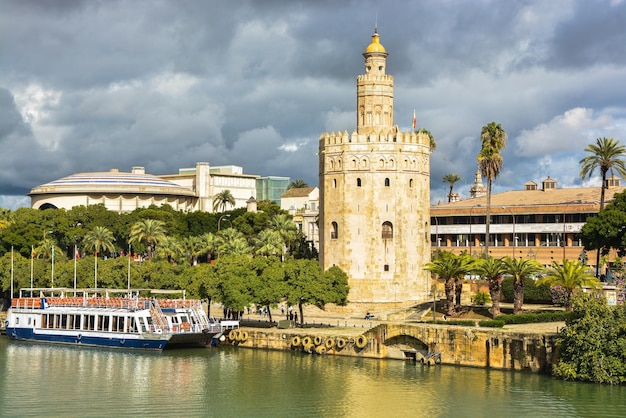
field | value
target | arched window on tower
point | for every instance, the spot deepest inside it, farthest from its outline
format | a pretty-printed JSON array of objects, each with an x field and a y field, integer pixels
[
  {"x": 410, "y": 183},
  {"x": 335, "y": 183},
  {"x": 334, "y": 230},
  {"x": 387, "y": 232},
  {"x": 387, "y": 183},
  {"x": 358, "y": 182}
]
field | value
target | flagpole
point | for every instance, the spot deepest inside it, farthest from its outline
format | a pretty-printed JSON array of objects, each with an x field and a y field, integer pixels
[
  {"x": 32, "y": 256},
  {"x": 11, "y": 272},
  {"x": 74, "y": 269},
  {"x": 129, "y": 248},
  {"x": 52, "y": 275}
]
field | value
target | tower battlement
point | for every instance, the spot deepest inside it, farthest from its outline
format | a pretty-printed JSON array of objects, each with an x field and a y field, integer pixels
[{"x": 386, "y": 135}]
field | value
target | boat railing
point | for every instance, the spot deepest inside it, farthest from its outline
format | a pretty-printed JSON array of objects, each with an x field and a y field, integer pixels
[{"x": 26, "y": 303}]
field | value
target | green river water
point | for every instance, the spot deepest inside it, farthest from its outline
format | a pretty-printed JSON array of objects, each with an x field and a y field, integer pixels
[{"x": 55, "y": 381}]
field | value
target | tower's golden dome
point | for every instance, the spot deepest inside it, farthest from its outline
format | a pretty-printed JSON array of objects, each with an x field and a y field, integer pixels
[{"x": 375, "y": 46}]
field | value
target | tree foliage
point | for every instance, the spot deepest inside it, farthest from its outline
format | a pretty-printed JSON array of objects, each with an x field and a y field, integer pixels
[{"x": 592, "y": 346}]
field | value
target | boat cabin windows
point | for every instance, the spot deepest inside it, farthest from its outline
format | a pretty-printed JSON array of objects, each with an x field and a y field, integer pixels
[{"x": 107, "y": 323}]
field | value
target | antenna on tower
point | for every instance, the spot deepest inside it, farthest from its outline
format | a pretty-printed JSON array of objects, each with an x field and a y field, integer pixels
[{"x": 376, "y": 23}]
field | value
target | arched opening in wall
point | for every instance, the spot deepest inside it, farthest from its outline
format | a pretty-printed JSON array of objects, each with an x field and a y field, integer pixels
[
  {"x": 387, "y": 230},
  {"x": 47, "y": 206},
  {"x": 334, "y": 230},
  {"x": 358, "y": 182},
  {"x": 410, "y": 183},
  {"x": 387, "y": 182},
  {"x": 335, "y": 183}
]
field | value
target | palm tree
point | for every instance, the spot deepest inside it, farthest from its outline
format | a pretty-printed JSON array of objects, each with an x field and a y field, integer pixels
[
  {"x": 607, "y": 154},
  {"x": 283, "y": 224},
  {"x": 149, "y": 230},
  {"x": 297, "y": 184},
  {"x": 493, "y": 140},
  {"x": 231, "y": 241},
  {"x": 269, "y": 243},
  {"x": 222, "y": 199},
  {"x": 99, "y": 238},
  {"x": 449, "y": 266},
  {"x": 571, "y": 275},
  {"x": 520, "y": 269},
  {"x": 451, "y": 179},
  {"x": 492, "y": 269},
  {"x": 169, "y": 248},
  {"x": 208, "y": 245}
]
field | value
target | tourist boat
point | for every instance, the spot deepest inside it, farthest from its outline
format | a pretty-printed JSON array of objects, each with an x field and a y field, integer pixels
[{"x": 127, "y": 319}]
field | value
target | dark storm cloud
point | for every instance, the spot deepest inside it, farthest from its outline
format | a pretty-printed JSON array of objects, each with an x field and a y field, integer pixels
[{"x": 92, "y": 85}]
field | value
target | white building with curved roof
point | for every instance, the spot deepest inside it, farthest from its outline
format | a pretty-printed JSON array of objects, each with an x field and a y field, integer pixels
[{"x": 192, "y": 189}]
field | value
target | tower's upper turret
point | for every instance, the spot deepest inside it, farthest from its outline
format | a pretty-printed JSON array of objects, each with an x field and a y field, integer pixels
[{"x": 374, "y": 91}]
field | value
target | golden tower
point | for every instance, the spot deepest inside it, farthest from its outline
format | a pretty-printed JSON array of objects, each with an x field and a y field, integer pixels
[{"x": 375, "y": 196}]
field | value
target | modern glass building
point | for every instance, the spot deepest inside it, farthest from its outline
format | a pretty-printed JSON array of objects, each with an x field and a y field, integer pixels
[{"x": 271, "y": 188}]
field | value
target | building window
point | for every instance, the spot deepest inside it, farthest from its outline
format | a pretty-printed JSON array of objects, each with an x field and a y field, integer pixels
[
  {"x": 387, "y": 231},
  {"x": 334, "y": 230},
  {"x": 386, "y": 267},
  {"x": 410, "y": 183},
  {"x": 358, "y": 182},
  {"x": 335, "y": 183},
  {"x": 387, "y": 182}
]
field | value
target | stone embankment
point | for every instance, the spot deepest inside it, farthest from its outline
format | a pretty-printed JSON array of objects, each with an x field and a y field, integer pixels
[{"x": 516, "y": 347}]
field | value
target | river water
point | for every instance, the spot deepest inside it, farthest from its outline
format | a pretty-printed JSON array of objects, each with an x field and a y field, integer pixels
[{"x": 55, "y": 381}]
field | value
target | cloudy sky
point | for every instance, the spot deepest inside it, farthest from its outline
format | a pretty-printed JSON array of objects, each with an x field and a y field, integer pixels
[{"x": 93, "y": 85}]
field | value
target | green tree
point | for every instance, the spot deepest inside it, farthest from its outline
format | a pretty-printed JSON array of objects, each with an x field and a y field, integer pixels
[
  {"x": 493, "y": 140},
  {"x": 592, "y": 346},
  {"x": 307, "y": 284},
  {"x": 169, "y": 249},
  {"x": 570, "y": 275},
  {"x": 236, "y": 278},
  {"x": 96, "y": 240},
  {"x": 451, "y": 179},
  {"x": 520, "y": 269},
  {"x": 269, "y": 286},
  {"x": 223, "y": 199},
  {"x": 450, "y": 268},
  {"x": 606, "y": 154},
  {"x": 208, "y": 245},
  {"x": 231, "y": 241},
  {"x": 297, "y": 184},
  {"x": 149, "y": 230},
  {"x": 491, "y": 269}
]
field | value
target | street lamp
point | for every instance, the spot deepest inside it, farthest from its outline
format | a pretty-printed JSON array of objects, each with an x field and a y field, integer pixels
[{"x": 219, "y": 221}]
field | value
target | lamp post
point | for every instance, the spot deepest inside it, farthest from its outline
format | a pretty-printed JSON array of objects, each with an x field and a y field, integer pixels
[
  {"x": 433, "y": 290},
  {"x": 45, "y": 234},
  {"x": 219, "y": 221},
  {"x": 75, "y": 250}
]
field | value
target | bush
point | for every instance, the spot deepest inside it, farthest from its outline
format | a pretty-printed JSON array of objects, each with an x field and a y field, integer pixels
[
  {"x": 560, "y": 296},
  {"x": 532, "y": 292},
  {"x": 491, "y": 323},
  {"x": 481, "y": 298},
  {"x": 530, "y": 318}
]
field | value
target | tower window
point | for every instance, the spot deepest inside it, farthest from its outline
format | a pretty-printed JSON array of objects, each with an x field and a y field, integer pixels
[
  {"x": 387, "y": 182},
  {"x": 335, "y": 183},
  {"x": 358, "y": 182},
  {"x": 410, "y": 183},
  {"x": 334, "y": 230},
  {"x": 387, "y": 230},
  {"x": 386, "y": 267}
]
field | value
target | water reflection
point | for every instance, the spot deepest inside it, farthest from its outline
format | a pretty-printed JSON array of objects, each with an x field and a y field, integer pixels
[{"x": 231, "y": 382}]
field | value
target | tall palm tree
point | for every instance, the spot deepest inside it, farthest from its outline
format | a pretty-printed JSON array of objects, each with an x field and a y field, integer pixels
[
  {"x": 520, "y": 269},
  {"x": 191, "y": 248},
  {"x": 222, "y": 199},
  {"x": 297, "y": 184},
  {"x": 100, "y": 238},
  {"x": 493, "y": 140},
  {"x": 492, "y": 269},
  {"x": 449, "y": 266},
  {"x": 451, "y": 179},
  {"x": 149, "y": 230},
  {"x": 571, "y": 275},
  {"x": 607, "y": 154}
]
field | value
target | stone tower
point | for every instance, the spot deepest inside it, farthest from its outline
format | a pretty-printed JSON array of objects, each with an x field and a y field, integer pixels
[{"x": 375, "y": 196}]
